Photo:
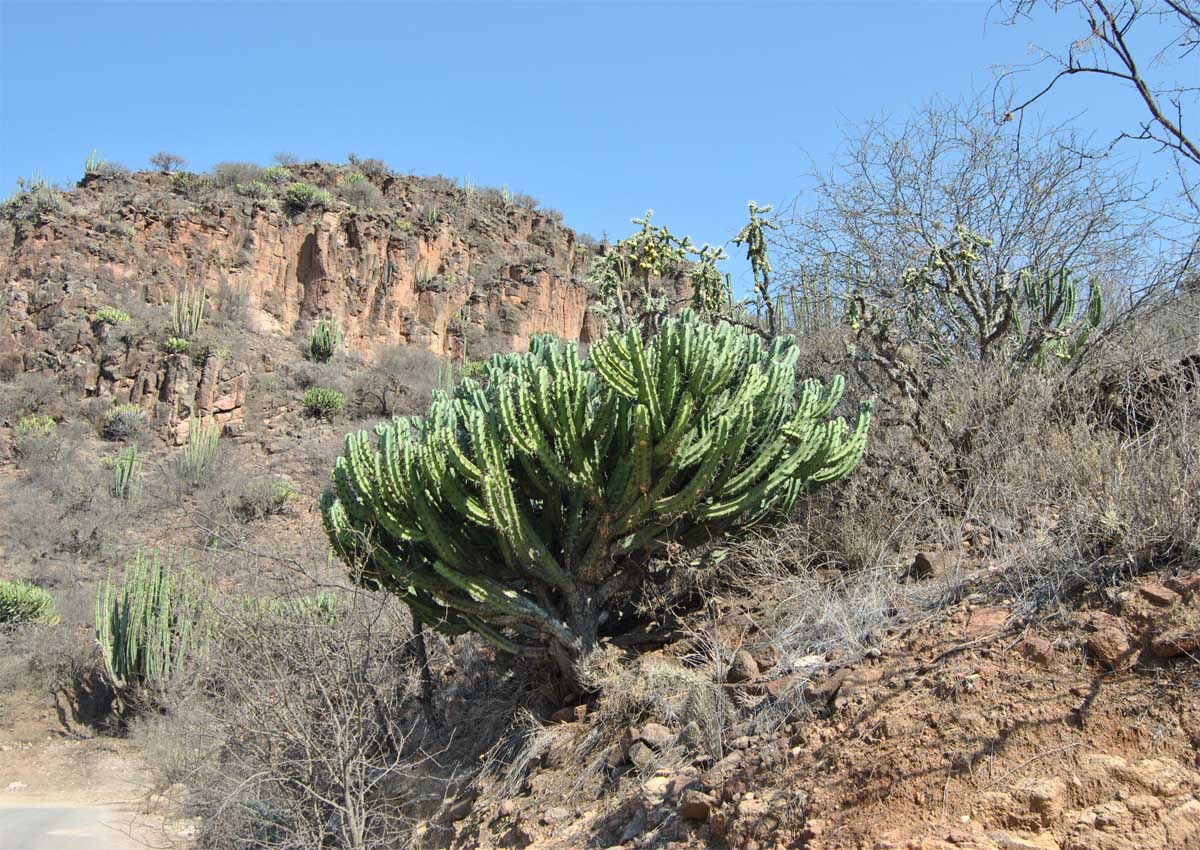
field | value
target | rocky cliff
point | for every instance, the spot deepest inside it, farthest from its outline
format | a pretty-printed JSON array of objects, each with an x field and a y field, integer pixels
[
  {"x": 399, "y": 273},
  {"x": 425, "y": 263}
]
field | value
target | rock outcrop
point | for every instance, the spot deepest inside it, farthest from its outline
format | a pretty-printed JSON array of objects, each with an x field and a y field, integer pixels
[{"x": 399, "y": 274}]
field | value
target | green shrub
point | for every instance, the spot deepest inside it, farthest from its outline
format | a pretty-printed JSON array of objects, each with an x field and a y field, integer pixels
[
  {"x": 175, "y": 345},
  {"x": 36, "y": 438},
  {"x": 112, "y": 316},
  {"x": 520, "y": 511},
  {"x": 127, "y": 474},
  {"x": 194, "y": 187},
  {"x": 32, "y": 201},
  {"x": 264, "y": 497},
  {"x": 359, "y": 192},
  {"x": 151, "y": 629},
  {"x": 22, "y": 603},
  {"x": 277, "y": 175},
  {"x": 325, "y": 339},
  {"x": 323, "y": 403},
  {"x": 256, "y": 190},
  {"x": 124, "y": 422},
  {"x": 305, "y": 196},
  {"x": 197, "y": 461}
]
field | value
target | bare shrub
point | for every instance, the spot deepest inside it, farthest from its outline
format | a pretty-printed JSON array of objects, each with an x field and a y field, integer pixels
[
  {"x": 229, "y": 175},
  {"x": 314, "y": 737},
  {"x": 167, "y": 162},
  {"x": 399, "y": 383}
]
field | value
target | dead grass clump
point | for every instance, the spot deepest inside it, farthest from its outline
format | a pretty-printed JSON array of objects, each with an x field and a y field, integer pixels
[{"x": 682, "y": 698}]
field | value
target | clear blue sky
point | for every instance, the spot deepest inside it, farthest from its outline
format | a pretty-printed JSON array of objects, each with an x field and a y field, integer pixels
[{"x": 600, "y": 110}]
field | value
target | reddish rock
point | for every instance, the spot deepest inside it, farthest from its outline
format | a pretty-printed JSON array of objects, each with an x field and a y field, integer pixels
[
  {"x": 1185, "y": 585},
  {"x": 1037, "y": 649},
  {"x": 1176, "y": 642},
  {"x": 1109, "y": 645},
  {"x": 765, "y": 657},
  {"x": 743, "y": 668},
  {"x": 656, "y": 735},
  {"x": 697, "y": 805},
  {"x": 1159, "y": 595},
  {"x": 569, "y": 714},
  {"x": 927, "y": 565},
  {"x": 985, "y": 621},
  {"x": 721, "y": 772},
  {"x": 641, "y": 754}
]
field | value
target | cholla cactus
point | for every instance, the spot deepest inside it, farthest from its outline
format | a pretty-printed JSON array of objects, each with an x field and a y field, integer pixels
[
  {"x": 151, "y": 629},
  {"x": 754, "y": 237},
  {"x": 956, "y": 301},
  {"x": 521, "y": 510},
  {"x": 712, "y": 294}
]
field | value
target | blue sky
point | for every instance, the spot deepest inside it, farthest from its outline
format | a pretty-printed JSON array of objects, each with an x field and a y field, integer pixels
[{"x": 600, "y": 110}]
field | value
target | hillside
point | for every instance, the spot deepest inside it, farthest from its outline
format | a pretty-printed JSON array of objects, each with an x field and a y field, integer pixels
[{"x": 983, "y": 638}]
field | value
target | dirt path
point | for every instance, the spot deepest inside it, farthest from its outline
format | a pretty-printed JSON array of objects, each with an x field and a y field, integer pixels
[{"x": 63, "y": 827}]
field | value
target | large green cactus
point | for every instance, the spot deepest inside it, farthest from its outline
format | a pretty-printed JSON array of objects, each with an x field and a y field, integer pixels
[{"x": 522, "y": 510}]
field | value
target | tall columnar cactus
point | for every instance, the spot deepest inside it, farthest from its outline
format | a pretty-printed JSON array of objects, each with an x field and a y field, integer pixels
[
  {"x": 187, "y": 313},
  {"x": 522, "y": 510},
  {"x": 151, "y": 629},
  {"x": 197, "y": 461}
]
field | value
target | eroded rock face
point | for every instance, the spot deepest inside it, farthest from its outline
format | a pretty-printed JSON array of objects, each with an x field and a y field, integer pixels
[{"x": 398, "y": 275}]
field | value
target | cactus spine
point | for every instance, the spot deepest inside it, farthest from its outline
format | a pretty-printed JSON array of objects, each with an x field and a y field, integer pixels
[{"x": 519, "y": 511}]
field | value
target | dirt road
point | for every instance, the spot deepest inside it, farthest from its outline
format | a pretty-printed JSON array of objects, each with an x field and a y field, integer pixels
[{"x": 61, "y": 827}]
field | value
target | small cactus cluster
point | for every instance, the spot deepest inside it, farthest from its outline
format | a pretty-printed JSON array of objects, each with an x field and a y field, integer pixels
[
  {"x": 22, "y": 603},
  {"x": 521, "y": 510},
  {"x": 150, "y": 629},
  {"x": 197, "y": 461},
  {"x": 126, "y": 474},
  {"x": 1055, "y": 324},
  {"x": 187, "y": 313},
  {"x": 124, "y": 421},
  {"x": 323, "y": 403},
  {"x": 324, "y": 340},
  {"x": 112, "y": 316}
]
